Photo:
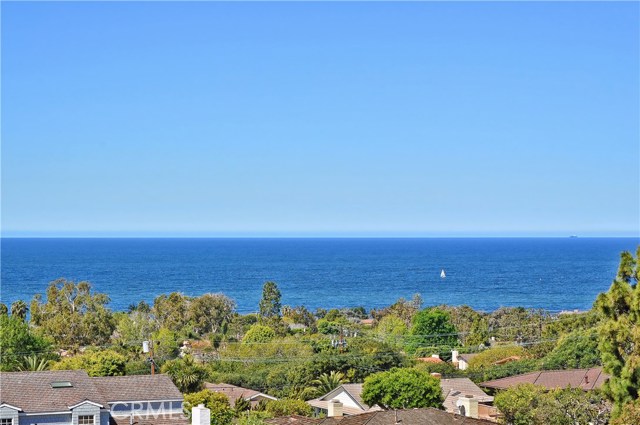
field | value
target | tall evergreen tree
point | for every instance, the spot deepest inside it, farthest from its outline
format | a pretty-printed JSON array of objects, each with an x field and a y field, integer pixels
[
  {"x": 270, "y": 302},
  {"x": 19, "y": 310},
  {"x": 620, "y": 333}
]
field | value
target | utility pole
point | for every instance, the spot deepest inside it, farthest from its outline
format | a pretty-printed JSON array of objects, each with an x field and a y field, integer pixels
[{"x": 147, "y": 347}]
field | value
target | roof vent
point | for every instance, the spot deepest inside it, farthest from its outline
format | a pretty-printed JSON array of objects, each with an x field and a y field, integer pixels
[{"x": 61, "y": 384}]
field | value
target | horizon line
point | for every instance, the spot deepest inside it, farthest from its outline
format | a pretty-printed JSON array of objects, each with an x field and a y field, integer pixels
[{"x": 322, "y": 236}]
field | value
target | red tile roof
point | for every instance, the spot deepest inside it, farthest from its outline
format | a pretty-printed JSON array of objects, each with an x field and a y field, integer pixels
[{"x": 430, "y": 360}]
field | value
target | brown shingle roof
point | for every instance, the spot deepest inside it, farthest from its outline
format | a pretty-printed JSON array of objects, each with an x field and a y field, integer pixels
[
  {"x": 137, "y": 388},
  {"x": 32, "y": 392},
  {"x": 428, "y": 416},
  {"x": 586, "y": 379}
]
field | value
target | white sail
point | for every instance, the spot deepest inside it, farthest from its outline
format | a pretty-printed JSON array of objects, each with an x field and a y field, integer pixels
[{"x": 442, "y": 274}]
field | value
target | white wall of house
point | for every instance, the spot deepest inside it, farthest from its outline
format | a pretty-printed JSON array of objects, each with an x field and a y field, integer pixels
[
  {"x": 462, "y": 364},
  {"x": 345, "y": 399}
]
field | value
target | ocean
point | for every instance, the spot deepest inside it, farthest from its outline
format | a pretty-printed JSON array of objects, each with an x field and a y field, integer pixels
[{"x": 484, "y": 273}]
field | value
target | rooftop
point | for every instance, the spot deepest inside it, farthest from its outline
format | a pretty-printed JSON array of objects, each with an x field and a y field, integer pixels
[
  {"x": 33, "y": 392},
  {"x": 427, "y": 416},
  {"x": 586, "y": 379}
]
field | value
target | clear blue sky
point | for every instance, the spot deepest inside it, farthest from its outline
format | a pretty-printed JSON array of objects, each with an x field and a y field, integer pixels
[{"x": 286, "y": 119}]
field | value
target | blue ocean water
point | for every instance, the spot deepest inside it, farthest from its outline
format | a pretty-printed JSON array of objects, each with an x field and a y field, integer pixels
[{"x": 485, "y": 273}]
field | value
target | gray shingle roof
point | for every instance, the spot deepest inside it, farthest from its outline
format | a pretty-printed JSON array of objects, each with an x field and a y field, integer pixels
[
  {"x": 454, "y": 388},
  {"x": 137, "y": 388},
  {"x": 32, "y": 392}
]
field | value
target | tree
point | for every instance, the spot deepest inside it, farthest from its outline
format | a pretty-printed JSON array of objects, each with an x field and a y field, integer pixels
[
  {"x": 576, "y": 350},
  {"x": 3, "y": 309},
  {"x": 517, "y": 324},
  {"x": 620, "y": 333},
  {"x": 34, "y": 363},
  {"x": 329, "y": 381},
  {"x": 217, "y": 403},
  {"x": 392, "y": 329},
  {"x": 95, "y": 363},
  {"x": 286, "y": 407},
  {"x": 134, "y": 327},
  {"x": 171, "y": 311},
  {"x": 270, "y": 302},
  {"x": 210, "y": 312},
  {"x": 165, "y": 344},
  {"x": 300, "y": 314},
  {"x": 402, "y": 308},
  {"x": 73, "y": 315},
  {"x": 19, "y": 310},
  {"x": 17, "y": 341},
  {"x": 528, "y": 404},
  {"x": 630, "y": 414},
  {"x": 242, "y": 405},
  {"x": 258, "y": 333},
  {"x": 472, "y": 326},
  {"x": 185, "y": 374},
  {"x": 431, "y": 327},
  {"x": 402, "y": 388},
  {"x": 488, "y": 357}
]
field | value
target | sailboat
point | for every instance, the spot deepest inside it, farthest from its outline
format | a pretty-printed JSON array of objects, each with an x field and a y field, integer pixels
[{"x": 443, "y": 274}]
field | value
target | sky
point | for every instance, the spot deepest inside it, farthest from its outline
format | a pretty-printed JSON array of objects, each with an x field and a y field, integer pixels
[{"x": 320, "y": 119}]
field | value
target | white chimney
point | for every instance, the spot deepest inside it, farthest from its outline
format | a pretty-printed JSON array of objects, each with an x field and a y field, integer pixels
[
  {"x": 200, "y": 415},
  {"x": 334, "y": 408},
  {"x": 454, "y": 356},
  {"x": 468, "y": 406}
]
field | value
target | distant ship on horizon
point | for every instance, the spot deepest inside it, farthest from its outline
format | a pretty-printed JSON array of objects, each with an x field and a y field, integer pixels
[{"x": 573, "y": 236}]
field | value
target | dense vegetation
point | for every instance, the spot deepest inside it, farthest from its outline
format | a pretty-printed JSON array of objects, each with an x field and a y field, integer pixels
[{"x": 295, "y": 354}]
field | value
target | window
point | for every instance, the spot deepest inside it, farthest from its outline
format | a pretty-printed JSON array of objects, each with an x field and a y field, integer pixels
[
  {"x": 61, "y": 384},
  {"x": 6, "y": 421},
  {"x": 85, "y": 420}
]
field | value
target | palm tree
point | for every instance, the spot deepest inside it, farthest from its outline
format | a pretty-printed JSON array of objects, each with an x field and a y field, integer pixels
[
  {"x": 33, "y": 364},
  {"x": 329, "y": 381},
  {"x": 19, "y": 309}
]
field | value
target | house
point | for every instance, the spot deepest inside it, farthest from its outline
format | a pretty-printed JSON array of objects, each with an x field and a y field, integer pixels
[
  {"x": 71, "y": 397},
  {"x": 460, "y": 393},
  {"x": 453, "y": 390},
  {"x": 461, "y": 360},
  {"x": 433, "y": 359},
  {"x": 586, "y": 379},
  {"x": 428, "y": 416},
  {"x": 234, "y": 393},
  {"x": 350, "y": 395}
]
